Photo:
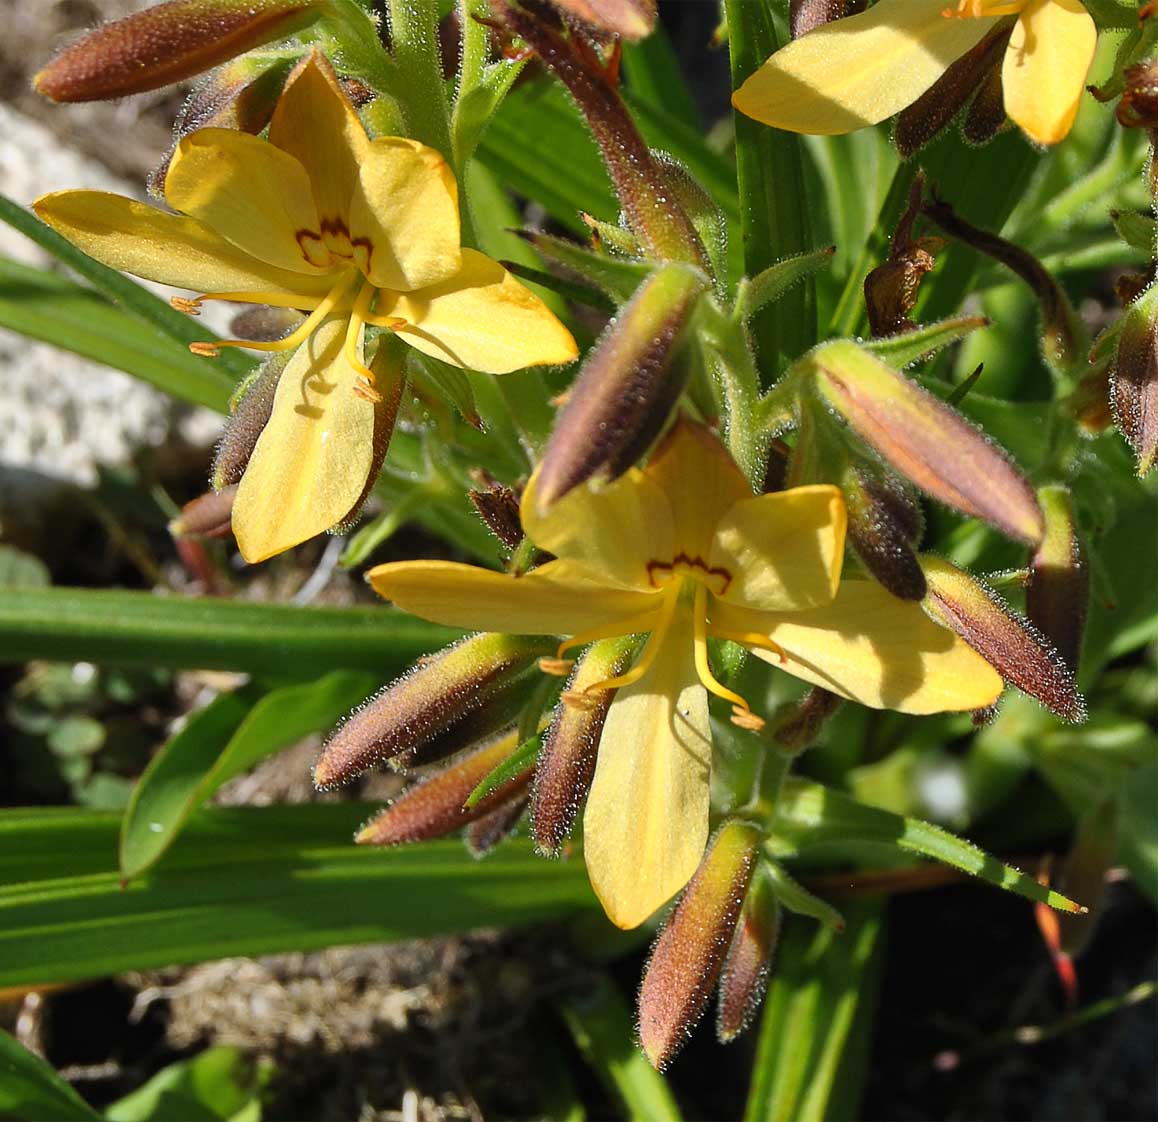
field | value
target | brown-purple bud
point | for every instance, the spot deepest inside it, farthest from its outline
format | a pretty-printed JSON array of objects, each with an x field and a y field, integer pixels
[
  {"x": 985, "y": 117},
  {"x": 800, "y": 724},
  {"x": 567, "y": 762},
  {"x": 1010, "y": 644},
  {"x": 689, "y": 953},
  {"x": 1062, "y": 333},
  {"x": 884, "y": 524},
  {"x": 652, "y": 211},
  {"x": 207, "y": 516},
  {"x": 168, "y": 43},
  {"x": 250, "y": 411},
  {"x": 1134, "y": 378},
  {"x": 891, "y": 289},
  {"x": 498, "y": 506},
  {"x": 1138, "y": 108},
  {"x": 807, "y": 15},
  {"x": 925, "y": 440},
  {"x": 483, "y": 834},
  {"x": 1058, "y": 591},
  {"x": 749, "y": 962},
  {"x": 941, "y": 102},
  {"x": 437, "y": 806},
  {"x": 632, "y": 19},
  {"x": 627, "y": 387},
  {"x": 429, "y": 699}
]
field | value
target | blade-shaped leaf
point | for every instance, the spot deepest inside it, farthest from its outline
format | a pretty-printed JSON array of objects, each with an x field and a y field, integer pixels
[
  {"x": 230, "y": 735},
  {"x": 246, "y": 882},
  {"x": 30, "y": 1089}
]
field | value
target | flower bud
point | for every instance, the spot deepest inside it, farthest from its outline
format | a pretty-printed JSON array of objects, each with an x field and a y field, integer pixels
[
  {"x": 1062, "y": 334},
  {"x": 436, "y": 806},
  {"x": 798, "y": 726},
  {"x": 627, "y": 388},
  {"x": 884, "y": 524},
  {"x": 208, "y": 516},
  {"x": 653, "y": 212},
  {"x": 942, "y": 101},
  {"x": 807, "y": 15},
  {"x": 567, "y": 762},
  {"x": 689, "y": 952},
  {"x": 250, "y": 410},
  {"x": 168, "y": 43},
  {"x": 1134, "y": 378},
  {"x": 1138, "y": 108},
  {"x": 430, "y": 698},
  {"x": 749, "y": 963},
  {"x": 890, "y": 290},
  {"x": 926, "y": 441},
  {"x": 483, "y": 834},
  {"x": 985, "y": 117},
  {"x": 1058, "y": 591},
  {"x": 1018, "y": 652},
  {"x": 498, "y": 506},
  {"x": 631, "y": 19}
]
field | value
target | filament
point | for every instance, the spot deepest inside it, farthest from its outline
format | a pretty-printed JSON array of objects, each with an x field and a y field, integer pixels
[
  {"x": 742, "y": 711},
  {"x": 192, "y": 306},
  {"x": 650, "y": 651},
  {"x": 628, "y": 625}
]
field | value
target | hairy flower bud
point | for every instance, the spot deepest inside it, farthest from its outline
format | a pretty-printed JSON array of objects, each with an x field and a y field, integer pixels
[
  {"x": 631, "y": 19},
  {"x": 798, "y": 726},
  {"x": 250, "y": 411},
  {"x": 485, "y": 833},
  {"x": 567, "y": 762},
  {"x": 436, "y": 806},
  {"x": 941, "y": 102},
  {"x": 1062, "y": 334},
  {"x": 1134, "y": 378},
  {"x": 1058, "y": 591},
  {"x": 884, "y": 525},
  {"x": 627, "y": 388},
  {"x": 689, "y": 953},
  {"x": 207, "y": 516},
  {"x": 168, "y": 43},
  {"x": 433, "y": 696},
  {"x": 1138, "y": 108},
  {"x": 749, "y": 962},
  {"x": 498, "y": 506},
  {"x": 807, "y": 15},
  {"x": 925, "y": 440},
  {"x": 1010, "y": 644}
]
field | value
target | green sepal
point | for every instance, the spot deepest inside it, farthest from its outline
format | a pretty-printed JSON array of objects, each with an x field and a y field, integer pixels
[{"x": 523, "y": 757}]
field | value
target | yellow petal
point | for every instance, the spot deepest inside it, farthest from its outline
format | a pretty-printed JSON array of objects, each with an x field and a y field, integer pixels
[
  {"x": 310, "y": 467},
  {"x": 315, "y": 122},
  {"x": 251, "y": 193},
  {"x": 701, "y": 481},
  {"x": 873, "y": 648},
  {"x": 615, "y": 531},
  {"x": 405, "y": 205},
  {"x": 858, "y": 71},
  {"x": 558, "y": 598},
  {"x": 1046, "y": 63},
  {"x": 783, "y": 551},
  {"x": 482, "y": 319},
  {"x": 169, "y": 248},
  {"x": 646, "y": 822}
]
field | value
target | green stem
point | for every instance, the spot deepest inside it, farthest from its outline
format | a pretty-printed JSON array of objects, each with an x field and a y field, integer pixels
[
  {"x": 414, "y": 36},
  {"x": 474, "y": 57},
  {"x": 360, "y": 47}
]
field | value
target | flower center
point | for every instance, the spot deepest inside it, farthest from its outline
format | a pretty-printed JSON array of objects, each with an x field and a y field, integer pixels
[
  {"x": 984, "y": 9},
  {"x": 680, "y": 580}
]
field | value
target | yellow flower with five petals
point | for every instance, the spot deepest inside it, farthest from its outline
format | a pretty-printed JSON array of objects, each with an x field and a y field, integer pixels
[
  {"x": 681, "y": 552},
  {"x": 861, "y": 70},
  {"x": 352, "y": 231}
]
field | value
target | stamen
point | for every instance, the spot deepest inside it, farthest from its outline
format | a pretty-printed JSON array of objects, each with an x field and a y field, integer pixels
[
  {"x": 191, "y": 306},
  {"x": 645, "y": 621},
  {"x": 650, "y": 651},
  {"x": 700, "y": 639},
  {"x": 296, "y": 337},
  {"x": 746, "y": 719},
  {"x": 364, "y": 388},
  {"x": 752, "y": 639},
  {"x": 559, "y": 667}
]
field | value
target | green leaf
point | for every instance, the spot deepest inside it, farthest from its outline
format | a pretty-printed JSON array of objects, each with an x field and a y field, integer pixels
[
  {"x": 602, "y": 1027},
  {"x": 818, "y": 1021},
  {"x": 796, "y": 898},
  {"x": 518, "y": 761},
  {"x": 30, "y": 1089},
  {"x": 770, "y": 166},
  {"x": 261, "y": 880},
  {"x": 231, "y": 734},
  {"x": 139, "y": 629},
  {"x": 116, "y": 286},
  {"x": 777, "y": 279},
  {"x": 810, "y": 817},
  {"x": 900, "y": 350},
  {"x": 51, "y": 308},
  {"x": 220, "y": 1085}
]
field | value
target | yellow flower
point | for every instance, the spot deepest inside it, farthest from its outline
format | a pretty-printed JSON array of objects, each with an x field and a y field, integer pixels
[
  {"x": 858, "y": 71},
  {"x": 355, "y": 232},
  {"x": 682, "y": 551}
]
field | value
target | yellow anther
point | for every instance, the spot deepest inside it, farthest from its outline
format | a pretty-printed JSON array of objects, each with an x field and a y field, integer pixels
[
  {"x": 366, "y": 392},
  {"x": 559, "y": 667},
  {"x": 184, "y": 304},
  {"x": 206, "y": 350},
  {"x": 745, "y": 719}
]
